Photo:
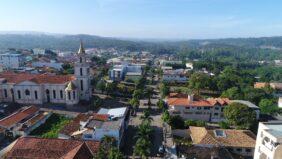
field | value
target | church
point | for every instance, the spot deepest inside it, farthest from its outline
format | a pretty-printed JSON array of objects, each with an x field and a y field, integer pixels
[{"x": 26, "y": 88}]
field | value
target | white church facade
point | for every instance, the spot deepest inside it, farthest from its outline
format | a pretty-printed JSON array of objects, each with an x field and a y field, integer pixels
[{"x": 26, "y": 88}]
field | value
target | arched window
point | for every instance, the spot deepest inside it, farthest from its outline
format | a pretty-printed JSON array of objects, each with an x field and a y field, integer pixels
[
  {"x": 27, "y": 92},
  {"x": 54, "y": 94},
  {"x": 80, "y": 59},
  {"x": 19, "y": 94},
  {"x": 73, "y": 94},
  {"x": 69, "y": 95},
  {"x": 61, "y": 94},
  {"x": 35, "y": 95},
  {"x": 81, "y": 85},
  {"x": 81, "y": 73},
  {"x": 5, "y": 93}
]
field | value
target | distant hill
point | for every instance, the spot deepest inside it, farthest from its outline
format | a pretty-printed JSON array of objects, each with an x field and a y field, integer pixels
[
  {"x": 31, "y": 40},
  {"x": 61, "y": 42}
]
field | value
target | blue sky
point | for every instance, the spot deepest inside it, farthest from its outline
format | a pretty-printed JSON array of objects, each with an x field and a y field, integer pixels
[{"x": 168, "y": 19}]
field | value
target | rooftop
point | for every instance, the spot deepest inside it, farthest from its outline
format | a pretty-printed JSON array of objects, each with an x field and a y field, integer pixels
[
  {"x": 223, "y": 137},
  {"x": 176, "y": 99},
  {"x": 18, "y": 116},
  {"x": 274, "y": 128},
  {"x": 35, "y": 148}
]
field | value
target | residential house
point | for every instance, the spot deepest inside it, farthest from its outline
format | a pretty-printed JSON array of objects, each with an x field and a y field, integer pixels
[
  {"x": 23, "y": 121},
  {"x": 44, "y": 148},
  {"x": 269, "y": 140},
  {"x": 233, "y": 143},
  {"x": 94, "y": 126},
  {"x": 274, "y": 85},
  {"x": 196, "y": 108}
]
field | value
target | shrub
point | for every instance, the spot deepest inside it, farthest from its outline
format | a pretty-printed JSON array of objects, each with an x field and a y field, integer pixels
[{"x": 224, "y": 125}]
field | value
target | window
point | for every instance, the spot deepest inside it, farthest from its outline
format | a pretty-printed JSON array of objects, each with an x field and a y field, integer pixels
[
  {"x": 81, "y": 85},
  {"x": 216, "y": 108},
  {"x": 35, "y": 95},
  {"x": 19, "y": 94},
  {"x": 187, "y": 107},
  {"x": 80, "y": 71},
  {"x": 207, "y": 108},
  {"x": 69, "y": 95},
  {"x": 27, "y": 92},
  {"x": 88, "y": 71},
  {"x": 248, "y": 150},
  {"x": 73, "y": 94},
  {"x": 61, "y": 94},
  {"x": 54, "y": 94},
  {"x": 5, "y": 93},
  {"x": 239, "y": 149},
  {"x": 80, "y": 59},
  {"x": 199, "y": 108}
]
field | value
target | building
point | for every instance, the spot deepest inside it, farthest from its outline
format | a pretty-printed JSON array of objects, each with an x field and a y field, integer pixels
[
  {"x": 11, "y": 60},
  {"x": 269, "y": 140},
  {"x": 94, "y": 126},
  {"x": 274, "y": 85},
  {"x": 120, "y": 72},
  {"x": 195, "y": 108},
  {"x": 280, "y": 102},
  {"x": 26, "y": 88},
  {"x": 177, "y": 76},
  {"x": 43, "y": 148},
  {"x": 23, "y": 121},
  {"x": 235, "y": 143},
  {"x": 38, "y": 51}
]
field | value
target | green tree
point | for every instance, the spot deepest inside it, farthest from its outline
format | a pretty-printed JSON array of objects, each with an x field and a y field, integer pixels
[
  {"x": 148, "y": 93},
  {"x": 146, "y": 116},
  {"x": 101, "y": 85},
  {"x": 134, "y": 103},
  {"x": 164, "y": 89},
  {"x": 232, "y": 93},
  {"x": 166, "y": 116},
  {"x": 198, "y": 81},
  {"x": 137, "y": 94},
  {"x": 240, "y": 115},
  {"x": 268, "y": 106},
  {"x": 176, "y": 122},
  {"x": 224, "y": 125},
  {"x": 142, "y": 148},
  {"x": 107, "y": 143},
  {"x": 115, "y": 154},
  {"x": 161, "y": 104}
]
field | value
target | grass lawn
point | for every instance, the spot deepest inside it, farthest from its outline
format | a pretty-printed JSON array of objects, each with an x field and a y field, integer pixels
[{"x": 51, "y": 127}]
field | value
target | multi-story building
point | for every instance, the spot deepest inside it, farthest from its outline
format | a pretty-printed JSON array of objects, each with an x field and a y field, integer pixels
[
  {"x": 11, "y": 60},
  {"x": 94, "y": 126},
  {"x": 26, "y": 88},
  {"x": 119, "y": 72},
  {"x": 211, "y": 109},
  {"x": 177, "y": 76},
  {"x": 269, "y": 140}
]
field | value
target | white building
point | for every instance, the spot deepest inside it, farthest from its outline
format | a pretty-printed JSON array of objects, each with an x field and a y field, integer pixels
[
  {"x": 26, "y": 88},
  {"x": 11, "y": 60},
  {"x": 280, "y": 102},
  {"x": 94, "y": 126},
  {"x": 178, "y": 76},
  {"x": 119, "y": 72},
  {"x": 269, "y": 140},
  {"x": 211, "y": 109},
  {"x": 39, "y": 51}
]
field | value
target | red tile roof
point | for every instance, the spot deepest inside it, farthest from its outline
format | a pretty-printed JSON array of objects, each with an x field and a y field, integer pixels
[
  {"x": 182, "y": 100},
  {"x": 18, "y": 116},
  {"x": 12, "y": 77},
  {"x": 37, "y": 148},
  {"x": 74, "y": 125},
  {"x": 101, "y": 117}
]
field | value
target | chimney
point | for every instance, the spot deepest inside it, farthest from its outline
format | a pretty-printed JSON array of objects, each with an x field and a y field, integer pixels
[{"x": 190, "y": 98}]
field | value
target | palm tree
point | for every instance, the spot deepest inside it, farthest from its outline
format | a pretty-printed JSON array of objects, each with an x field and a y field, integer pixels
[
  {"x": 142, "y": 148},
  {"x": 115, "y": 154},
  {"x": 144, "y": 131},
  {"x": 148, "y": 93},
  {"x": 146, "y": 116},
  {"x": 134, "y": 102}
]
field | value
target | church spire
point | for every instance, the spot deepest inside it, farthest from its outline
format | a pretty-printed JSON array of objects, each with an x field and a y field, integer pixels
[{"x": 81, "y": 48}]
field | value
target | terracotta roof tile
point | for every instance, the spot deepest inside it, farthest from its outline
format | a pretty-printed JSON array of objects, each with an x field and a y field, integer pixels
[
  {"x": 74, "y": 125},
  {"x": 182, "y": 100},
  {"x": 12, "y": 77},
  {"x": 18, "y": 116},
  {"x": 35, "y": 148},
  {"x": 233, "y": 138}
]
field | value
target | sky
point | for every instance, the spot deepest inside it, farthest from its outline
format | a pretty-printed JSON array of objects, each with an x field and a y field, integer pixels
[{"x": 155, "y": 19}]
